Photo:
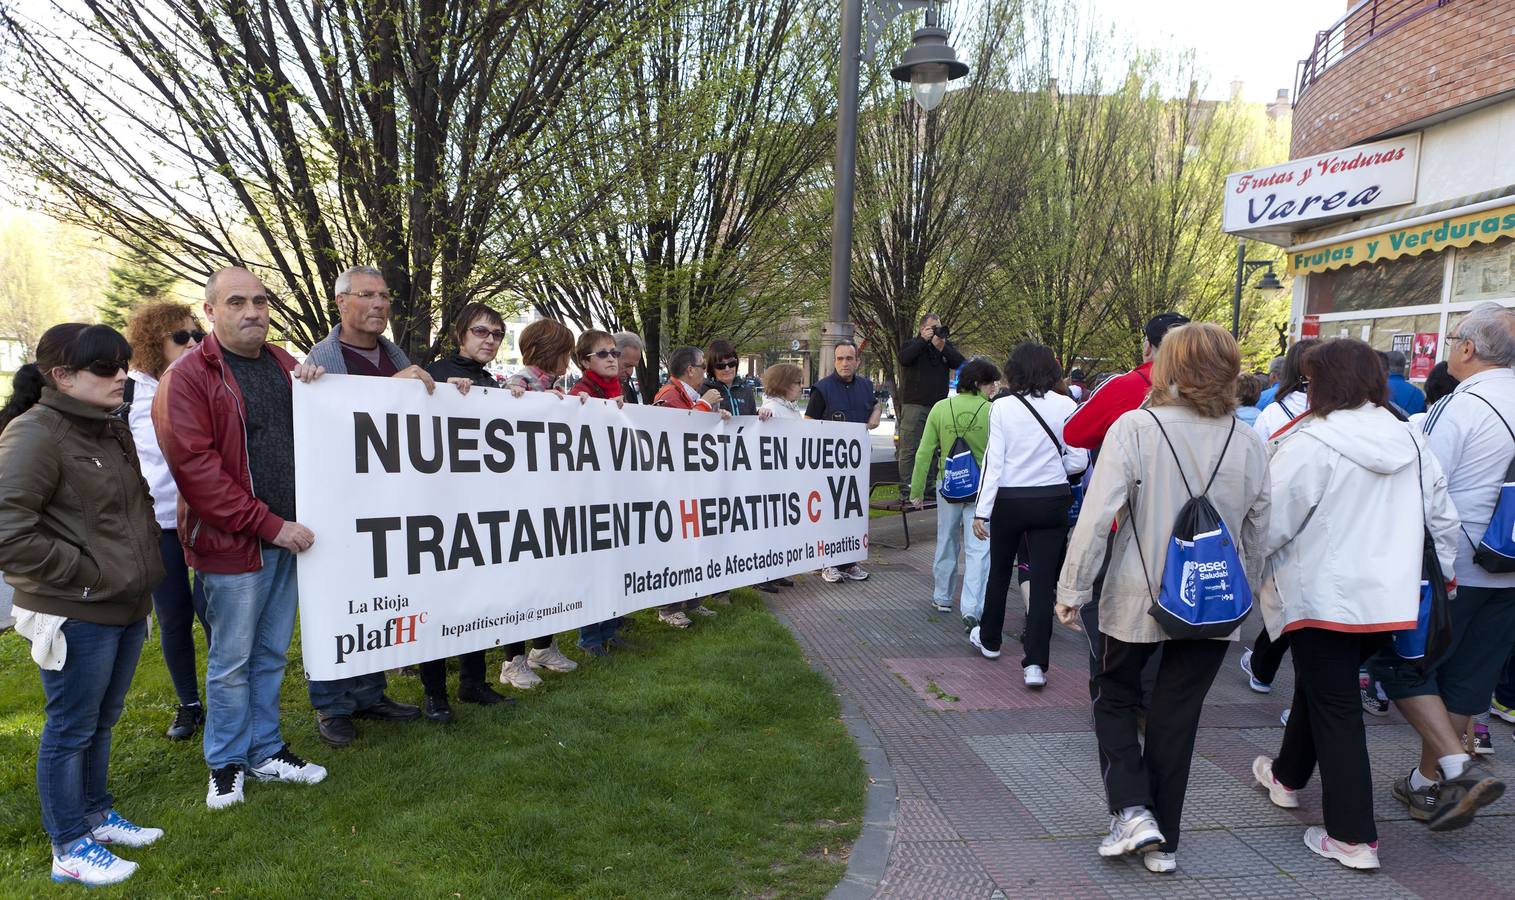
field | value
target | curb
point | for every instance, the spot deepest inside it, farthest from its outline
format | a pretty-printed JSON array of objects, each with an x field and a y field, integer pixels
[{"x": 870, "y": 853}]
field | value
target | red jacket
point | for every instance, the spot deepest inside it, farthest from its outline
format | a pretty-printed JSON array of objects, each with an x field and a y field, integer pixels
[
  {"x": 197, "y": 413},
  {"x": 674, "y": 396},
  {"x": 1087, "y": 426}
]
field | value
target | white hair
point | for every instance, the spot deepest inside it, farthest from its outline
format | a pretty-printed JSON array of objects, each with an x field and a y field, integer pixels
[
  {"x": 344, "y": 281},
  {"x": 624, "y": 339},
  {"x": 1491, "y": 328}
]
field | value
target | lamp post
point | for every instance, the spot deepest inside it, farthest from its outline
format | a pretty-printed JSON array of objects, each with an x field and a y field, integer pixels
[
  {"x": 928, "y": 65},
  {"x": 1244, "y": 267}
]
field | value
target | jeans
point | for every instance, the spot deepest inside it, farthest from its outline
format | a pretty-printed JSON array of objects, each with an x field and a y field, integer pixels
[
  {"x": 600, "y": 633},
  {"x": 911, "y": 425},
  {"x": 345, "y": 696},
  {"x": 954, "y": 531},
  {"x": 178, "y": 605},
  {"x": 1325, "y": 728},
  {"x": 253, "y": 616},
  {"x": 1153, "y": 772},
  {"x": 84, "y": 702}
]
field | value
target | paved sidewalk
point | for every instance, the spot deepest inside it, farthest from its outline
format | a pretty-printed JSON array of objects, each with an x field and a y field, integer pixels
[{"x": 999, "y": 790}]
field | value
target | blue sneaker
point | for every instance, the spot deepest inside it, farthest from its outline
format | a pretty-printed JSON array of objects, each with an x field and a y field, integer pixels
[
  {"x": 1261, "y": 687},
  {"x": 116, "y": 830},
  {"x": 91, "y": 864}
]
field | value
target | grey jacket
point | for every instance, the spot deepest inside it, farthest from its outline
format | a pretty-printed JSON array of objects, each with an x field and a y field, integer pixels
[
  {"x": 1136, "y": 472},
  {"x": 328, "y": 353}
]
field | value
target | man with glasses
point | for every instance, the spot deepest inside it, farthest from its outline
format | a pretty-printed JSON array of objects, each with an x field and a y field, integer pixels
[
  {"x": 844, "y": 396},
  {"x": 224, "y": 419},
  {"x": 357, "y": 346}
]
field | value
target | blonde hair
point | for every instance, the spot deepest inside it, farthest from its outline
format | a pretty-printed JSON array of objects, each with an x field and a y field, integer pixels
[
  {"x": 778, "y": 377},
  {"x": 1197, "y": 366}
]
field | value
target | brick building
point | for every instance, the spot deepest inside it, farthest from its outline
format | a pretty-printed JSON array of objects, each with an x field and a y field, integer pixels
[{"x": 1398, "y": 209}]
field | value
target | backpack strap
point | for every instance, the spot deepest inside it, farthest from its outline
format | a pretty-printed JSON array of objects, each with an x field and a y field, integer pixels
[
  {"x": 1169, "y": 441},
  {"x": 1501, "y": 419}
]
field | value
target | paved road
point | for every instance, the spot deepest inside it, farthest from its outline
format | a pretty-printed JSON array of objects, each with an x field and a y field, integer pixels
[{"x": 999, "y": 793}]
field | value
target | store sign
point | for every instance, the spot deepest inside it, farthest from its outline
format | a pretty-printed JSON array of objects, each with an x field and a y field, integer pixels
[
  {"x": 1336, "y": 185},
  {"x": 1482, "y": 227}
]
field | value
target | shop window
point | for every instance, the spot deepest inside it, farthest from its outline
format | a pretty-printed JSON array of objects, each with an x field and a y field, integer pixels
[
  {"x": 1484, "y": 271},
  {"x": 1407, "y": 281}
]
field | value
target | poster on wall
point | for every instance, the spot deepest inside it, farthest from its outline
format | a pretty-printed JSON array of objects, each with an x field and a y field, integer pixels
[
  {"x": 1423, "y": 355},
  {"x": 1403, "y": 343},
  {"x": 1310, "y": 327}
]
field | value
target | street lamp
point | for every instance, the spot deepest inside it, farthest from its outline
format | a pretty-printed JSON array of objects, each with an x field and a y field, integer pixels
[
  {"x": 928, "y": 65},
  {"x": 1244, "y": 267}
]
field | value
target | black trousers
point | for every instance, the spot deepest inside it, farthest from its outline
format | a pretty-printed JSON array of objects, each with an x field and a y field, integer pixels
[
  {"x": 1325, "y": 728},
  {"x": 1155, "y": 776},
  {"x": 1043, "y": 523},
  {"x": 541, "y": 643},
  {"x": 1267, "y": 656},
  {"x": 434, "y": 673}
]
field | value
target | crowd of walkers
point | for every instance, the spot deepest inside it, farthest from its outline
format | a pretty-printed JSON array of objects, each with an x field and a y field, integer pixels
[
  {"x": 156, "y": 472},
  {"x": 1078, "y": 501}
]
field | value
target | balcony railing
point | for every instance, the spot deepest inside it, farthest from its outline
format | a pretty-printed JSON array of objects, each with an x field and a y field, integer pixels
[{"x": 1363, "y": 23}]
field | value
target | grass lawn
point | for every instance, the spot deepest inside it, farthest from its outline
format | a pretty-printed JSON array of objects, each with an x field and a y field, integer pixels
[{"x": 706, "y": 763}]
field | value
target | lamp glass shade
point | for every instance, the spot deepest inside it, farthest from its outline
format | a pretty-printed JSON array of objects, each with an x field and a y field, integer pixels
[
  {"x": 1269, "y": 282},
  {"x": 928, "y": 82}
]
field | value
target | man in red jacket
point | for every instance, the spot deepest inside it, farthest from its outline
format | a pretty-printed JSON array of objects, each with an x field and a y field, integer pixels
[
  {"x": 1087, "y": 426},
  {"x": 224, "y": 418}
]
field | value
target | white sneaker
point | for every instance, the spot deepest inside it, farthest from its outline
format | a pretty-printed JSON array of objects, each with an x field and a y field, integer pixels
[
  {"x": 225, "y": 786},
  {"x": 551, "y": 659},
  {"x": 92, "y": 865},
  {"x": 1353, "y": 856},
  {"x": 974, "y": 640},
  {"x": 1282, "y": 797},
  {"x": 831, "y": 575},
  {"x": 675, "y": 617},
  {"x": 1035, "y": 676},
  {"x": 518, "y": 674},
  {"x": 1261, "y": 687},
  {"x": 287, "y": 767},
  {"x": 703, "y": 610},
  {"x": 116, "y": 830},
  {"x": 854, "y": 572},
  {"x": 941, "y": 607},
  {"x": 1134, "y": 835},
  {"x": 1159, "y": 862}
]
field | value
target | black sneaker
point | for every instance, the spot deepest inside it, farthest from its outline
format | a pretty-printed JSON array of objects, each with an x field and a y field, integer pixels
[
  {"x": 225, "y": 786},
  {"x": 437, "y": 709},
  {"x": 1372, "y": 704},
  {"x": 187, "y": 720},
  {"x": 482, "y": 694},
  {"x": 784, "y": 582},
  {"x": 389, "y": 710}
]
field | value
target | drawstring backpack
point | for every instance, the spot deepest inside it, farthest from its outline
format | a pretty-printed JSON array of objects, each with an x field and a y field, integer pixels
[
  {"x": 1495, "y": 551},
  {"x": 960, "y": 471},
  {"x": 1431, "y": 638}
]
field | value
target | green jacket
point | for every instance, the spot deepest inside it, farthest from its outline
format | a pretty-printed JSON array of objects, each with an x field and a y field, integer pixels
[{"x": 971, "y": 412}]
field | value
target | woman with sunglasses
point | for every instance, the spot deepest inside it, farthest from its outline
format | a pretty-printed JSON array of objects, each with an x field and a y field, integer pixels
[
  {"x": 160, "y": 333},
  {"x": 79, "y": 544},
  {"x": 599, "y": 358},
  {"x": 479, "y": 333},
  {"x": 720, "y": 376}
]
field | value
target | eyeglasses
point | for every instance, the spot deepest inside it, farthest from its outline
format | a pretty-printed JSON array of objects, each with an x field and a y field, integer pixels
[
  {"x": 480, "y": 332},
  {"x": 606, "y": 354},
  {"x": 184, "y": 336},
  {"x": 105, "y": 368},
  {"x": 369, "y": 295},
  {"x": 728, "y": 364}
]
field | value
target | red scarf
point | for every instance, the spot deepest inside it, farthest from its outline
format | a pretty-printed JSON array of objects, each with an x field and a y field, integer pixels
[{"x": 600, "y": 386}]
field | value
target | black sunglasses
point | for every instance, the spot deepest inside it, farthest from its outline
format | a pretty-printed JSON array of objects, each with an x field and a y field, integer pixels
[
  {"x": 728, "y": 364},
  {"x": 606, "y": 354},
  {"x": 182, "y": 337},
  {"x": 106, "y": 368}
]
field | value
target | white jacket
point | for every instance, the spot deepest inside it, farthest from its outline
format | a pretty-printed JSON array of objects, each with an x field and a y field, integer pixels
[
  {"x": 1020, "y": 454},
  {"x": 1346, "y": 531},
  {"x": 1280, "y": 412},
  {"x": 781, "y": 408},
  {"x": 149, "y": 457}
]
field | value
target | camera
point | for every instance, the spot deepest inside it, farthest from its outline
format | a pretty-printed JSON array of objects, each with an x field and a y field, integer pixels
[{"x": 940, "y": 331}]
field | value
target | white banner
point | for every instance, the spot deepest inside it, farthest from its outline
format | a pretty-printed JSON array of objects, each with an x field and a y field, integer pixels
[
  {"x": 1274, "y": 202},
  {"x": 447, "y": 523}
]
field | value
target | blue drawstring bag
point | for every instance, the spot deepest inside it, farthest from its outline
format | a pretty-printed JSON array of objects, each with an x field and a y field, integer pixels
[
  {"x": 1429, "y": 641},
  {"x": 960, "y": 471},
  {"x": 1495, "y": 551},
  {"x": 1204, "y": 591}
]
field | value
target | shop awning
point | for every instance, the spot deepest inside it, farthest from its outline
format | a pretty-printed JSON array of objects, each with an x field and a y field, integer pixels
[{"x": 1479, "y": 223}]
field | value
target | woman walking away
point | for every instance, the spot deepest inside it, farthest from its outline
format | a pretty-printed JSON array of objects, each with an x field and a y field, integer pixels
[
  {"x": 599, "y": 358},
  {"x": 79, "y": 544},
  {"x": 1187, "y": 443},
  {"x": 478, "y": 332},
  {"x": 1292, "y": 400},
  {"x": 546, "y": 347},
  {"x": 159, "y": 333},
  {"x": 1337, "y": 588},
  {"x": 967, "y": 416},
  {"x": 1025, "y": 494}
]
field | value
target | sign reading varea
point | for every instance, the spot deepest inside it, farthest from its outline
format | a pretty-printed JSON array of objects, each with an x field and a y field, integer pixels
[
  {"x": 1336, "y": 185},
  {"x": 447, "y": 523}
]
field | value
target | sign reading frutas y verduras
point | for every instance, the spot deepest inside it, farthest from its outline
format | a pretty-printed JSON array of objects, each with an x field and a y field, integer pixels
[
  {"x": 1336, "y": 185},
  {"x": 447, "y": 523}
]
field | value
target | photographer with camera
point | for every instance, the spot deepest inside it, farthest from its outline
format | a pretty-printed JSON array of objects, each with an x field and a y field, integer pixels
[{"x": 927, "y": 362}]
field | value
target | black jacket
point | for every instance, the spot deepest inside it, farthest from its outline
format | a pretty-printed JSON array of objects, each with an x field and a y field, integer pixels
[
  {"x": 929, "y": 371},
  {"x": 737, "y": 397},
  {"x": 459, "y": 366}
]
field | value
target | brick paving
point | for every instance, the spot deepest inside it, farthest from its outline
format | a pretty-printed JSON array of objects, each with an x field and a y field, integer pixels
[{"x": 998, "y": 789}]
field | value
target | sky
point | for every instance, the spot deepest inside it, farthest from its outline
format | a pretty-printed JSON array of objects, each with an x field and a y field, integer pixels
[{"x": 1259, "y": 43}]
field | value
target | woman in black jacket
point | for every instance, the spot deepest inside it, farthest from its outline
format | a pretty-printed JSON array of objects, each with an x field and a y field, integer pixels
[
  {"x": 720, "y": 376},
  {"x": 479, "y": 332}
]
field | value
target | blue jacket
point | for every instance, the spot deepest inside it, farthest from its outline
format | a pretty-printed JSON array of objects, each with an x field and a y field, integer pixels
[{"x": 1405, "y": 395}]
